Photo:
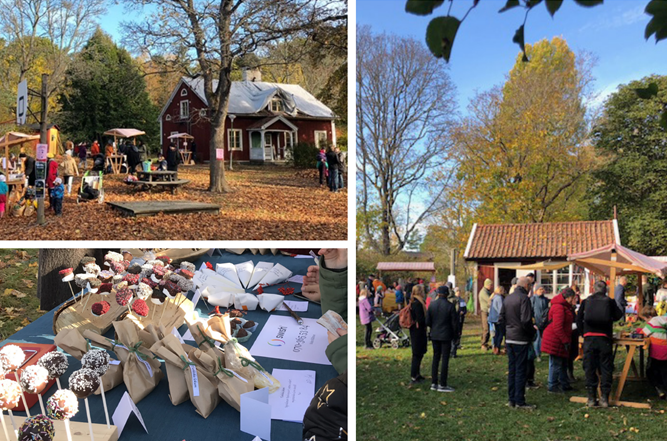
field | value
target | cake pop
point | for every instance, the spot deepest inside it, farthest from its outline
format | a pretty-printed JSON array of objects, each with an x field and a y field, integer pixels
[
  {"x": 105, "y": 289},
  {"x": 105, "y": 276},
  {"x": 166, "y": 259},
  {"x": 37, "y": 428},
  {"x": 55, "y": 363},
  {"x": 100, "y": 308},
  {"x": 127, "y": 256},
  {"x": 134, "y": 269},
  {"x": 140, "y": 308},
  {"x": 62, "y": 405},
  {"x": 92, "y": 268},
  {"x": 123, "y": 296},
  {"x": 186, "y": 273},
  {"x": 96, "y": 360},
  {"x": 188, "y": 266},
  {"x": 87, "y": 260},
  {"x": 149, "y": 282},
  {"x": 34, "y": 379},
  {"x": 131, "y": 279},
  {"x": 12, "y": 357},
  {"x": 94, "y": 284},
  {"x": 118, "y": 267},
  {"x": 143, "y": 291},
  {"x": 84, "y": 382},
  {"x": 155, "y": 263},
  {"x": 10, "y": 394},
  {"x": 67, "y": 274},
  {"x": 113, "y": 256},
  {"x": 158, "y": 297}
]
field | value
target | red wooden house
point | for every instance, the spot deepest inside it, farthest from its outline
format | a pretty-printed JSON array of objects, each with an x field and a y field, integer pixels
[{"x": 265, "y": 120}]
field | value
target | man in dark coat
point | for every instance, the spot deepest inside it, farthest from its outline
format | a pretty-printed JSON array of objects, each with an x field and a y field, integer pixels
[
  {"x": 516, "y": 316},
  {"x": 619, "y": 294},
  {"x": 333, "y": 162},
  {"x": 595, "y": 319},
  {"x": 442, "y": 319},
  {"x": 173, "y": 157}
]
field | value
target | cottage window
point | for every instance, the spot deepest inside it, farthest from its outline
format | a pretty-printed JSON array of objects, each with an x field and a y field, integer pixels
[
  {"x": 185, "y": 109},
  {"x": 276, "y": 105},
  {"x": 321, "y": 138},
  {"x": 234, "y": 139},
  {"x": 184, "y": 92},
  {"x": 555, "y": 281},
  {"x": 202, "y": 113},
  {"x": 167, "y": 117},
  {"x": 289, "y": 140}
]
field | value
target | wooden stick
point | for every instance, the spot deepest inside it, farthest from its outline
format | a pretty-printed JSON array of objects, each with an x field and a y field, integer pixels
[
  {"x": 25, "y": 403},
  {"x": 104, "y": 402},
  {"x": 70, "y": 288},
  {"x": 41, "y": 403},
  {"x": 90, "y": 425},
  {"x": 81, "y": 295},
  {"x": 163, "y": 310},
  {"x": 58, "y": 381},
  {"x": 153, "y": 313},
  {"x": 16, "y": 430},
  {"x": 4, "y": 425},
  {"x": 90, "y": 294},
  {"x": 182, "y": 301},
  {"x": 67, "y": 429}
]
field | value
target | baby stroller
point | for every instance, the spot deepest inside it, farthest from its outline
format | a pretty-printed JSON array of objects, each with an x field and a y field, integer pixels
[
  {"x": 98, "y": 163},
  {"x": 91, "y": 187},
  {"x": 390, "y": 332}
]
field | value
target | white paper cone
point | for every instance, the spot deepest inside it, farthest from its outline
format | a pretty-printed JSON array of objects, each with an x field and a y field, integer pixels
[
  {"x": 225, "y": 299},
  {"x": 261, "y": 270},
  {"x": 4, "y": 426},
  {"x": 228, "y": 271},
  {"x": 245, "y": 302},
  {"x": 244, "y": 272},
  {"x": 90, "y": 424},
  {"x": 210, "y": 278},
  {"x": 277, "y": 274},
  {"x": 270, "y": 302},
  {"x": 104, "y": 402}
]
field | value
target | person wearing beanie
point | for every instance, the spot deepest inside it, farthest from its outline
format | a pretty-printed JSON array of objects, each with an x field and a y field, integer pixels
[
  {"x": 57, "y": 195},
  {"x": 442, "y": 320},
  {"x": 3, "y": 195},
  {"x": 484, "y": 306}
]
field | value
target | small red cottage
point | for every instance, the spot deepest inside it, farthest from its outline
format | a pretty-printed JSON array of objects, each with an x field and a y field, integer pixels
[{"x": 264, "y": 121}]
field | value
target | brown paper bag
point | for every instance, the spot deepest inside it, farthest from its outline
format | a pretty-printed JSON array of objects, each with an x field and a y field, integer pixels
[
  {"x": 72, "y": 342},
  {"x": 230, "y": 385},
  {"x": 141, "y": 371},
  {"x": 238, "y": 358},
  {"x": 178, "y": 388},
  {"x": 203, "y": 393}
]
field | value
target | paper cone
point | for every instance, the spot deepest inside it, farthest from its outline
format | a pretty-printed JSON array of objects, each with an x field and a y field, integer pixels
[
  {"x": 270, "y": 302},
  {"x": 244, "y": 272},
  {"x": 246, "y": 302},
  {"x": 207, "y": 277},
  {"x": 222, "y": 298},
  {"x": 228, "y": 271},
  {"x": 277, "y": 274},
  {"x": 261, "y": 270}
]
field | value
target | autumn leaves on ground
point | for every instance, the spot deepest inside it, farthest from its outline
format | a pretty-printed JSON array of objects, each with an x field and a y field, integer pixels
[
  {"x": 389, "y": 409},
  {"x": 265, "y": 203},
  {"x": 19, "y": 305}
]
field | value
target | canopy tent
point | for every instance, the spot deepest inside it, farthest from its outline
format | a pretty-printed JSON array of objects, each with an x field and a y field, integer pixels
[
  {"x": 539, "y": 266},
  {"x": 406, "y": 266},
  {"x": 15, "y": 138},
  {"x": 124, "y": 133},
  {"x": 180, "y": 136}
]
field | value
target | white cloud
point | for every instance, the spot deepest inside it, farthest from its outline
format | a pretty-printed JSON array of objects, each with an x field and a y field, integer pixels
[{"x": 615, "y": 19}]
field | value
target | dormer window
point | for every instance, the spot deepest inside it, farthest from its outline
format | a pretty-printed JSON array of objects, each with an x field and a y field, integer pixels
[
  {"x": 276, "y": 105},
  {"x": 184, "y": 92}
]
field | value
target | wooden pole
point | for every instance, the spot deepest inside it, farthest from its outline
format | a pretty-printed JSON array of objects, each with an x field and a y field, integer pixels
[
  {"x": 640, "y": 296},
  {"x": 612, "y": 276}
]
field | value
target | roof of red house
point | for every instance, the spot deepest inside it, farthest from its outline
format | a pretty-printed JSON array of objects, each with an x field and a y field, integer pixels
[
  {"x": 544, "y": 241},
  {"x": 406, "y": 266}
]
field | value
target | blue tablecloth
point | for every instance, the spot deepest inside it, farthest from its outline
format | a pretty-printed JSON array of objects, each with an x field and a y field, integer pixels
[{"x": 176, "y": 423}]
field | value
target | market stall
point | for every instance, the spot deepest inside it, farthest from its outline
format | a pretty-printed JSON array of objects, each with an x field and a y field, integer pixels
[
  {"x": 186, "y": 155},
  {"x": 15, "y": 180},
  {"x": 162, "y": 419},
  {"x": 115, "y": 162}
]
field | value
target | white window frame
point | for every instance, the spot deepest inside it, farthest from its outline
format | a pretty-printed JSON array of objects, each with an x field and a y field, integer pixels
[
  {"x": 187, "y": 108},
  {"x": 317, "y": 138},
  {"x": 184, "y": 92},
  {"x": 202, "y": 113},
  {"x": 167, "y": 117},
  {"x": 239, "y": 133},
  {"x": 289, "y": 140},
  {"x": 276, "y": 105}
]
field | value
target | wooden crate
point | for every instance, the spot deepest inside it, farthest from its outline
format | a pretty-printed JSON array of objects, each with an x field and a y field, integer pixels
[{"x": 79, "y": 430}]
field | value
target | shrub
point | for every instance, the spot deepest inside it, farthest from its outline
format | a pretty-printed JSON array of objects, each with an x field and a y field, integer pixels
[{"x": 303, "y": 155}]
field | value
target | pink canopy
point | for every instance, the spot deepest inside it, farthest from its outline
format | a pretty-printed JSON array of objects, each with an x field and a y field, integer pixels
[
  {"x": 627, "y": 261},
  {"x": 124, "y": 133}
]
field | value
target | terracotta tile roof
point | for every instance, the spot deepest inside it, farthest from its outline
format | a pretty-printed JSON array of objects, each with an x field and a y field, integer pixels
[
  {"x": 546, "y": 240},
  {"x": 406, "y": 266}
]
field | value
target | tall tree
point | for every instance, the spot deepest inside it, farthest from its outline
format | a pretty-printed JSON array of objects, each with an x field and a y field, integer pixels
[
  {"x": 215, "y": 33},
  {"x": 106, "y": 89},
  {"x": 405, "y": 103},
  {"x": 631, "y": 177},
  {"x": 523, "y": 153}
]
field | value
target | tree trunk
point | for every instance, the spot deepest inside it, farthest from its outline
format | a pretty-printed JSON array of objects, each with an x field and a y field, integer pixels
[
  {"x": 51, "y": 290},
  {"x": 218, "y": 183}
]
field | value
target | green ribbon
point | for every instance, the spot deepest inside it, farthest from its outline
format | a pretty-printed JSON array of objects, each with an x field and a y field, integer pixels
[
  {"x": 245, "y": 362},
  {"x": 187, "y": 363},
  {"x": 88, "y": 345},
  {"x": 114, "y": 343},
  {"x": 135, "y": 350},
  {"x": 222, "y": 370},
  {"x": 206, "y": 338}
]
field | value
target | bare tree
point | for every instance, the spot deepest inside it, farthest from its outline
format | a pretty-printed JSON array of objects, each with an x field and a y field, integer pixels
[
  {"x": 212, "y": 34},
  {"x": 405, "y": 106},
  {"x": 66, "y": 24}
]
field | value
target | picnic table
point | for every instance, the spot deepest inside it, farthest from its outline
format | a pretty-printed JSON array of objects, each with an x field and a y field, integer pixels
[
  {"x": 165, "y": 421},
  {"x": 116, "y": 163},
  {"x": 149, "y": 180}
]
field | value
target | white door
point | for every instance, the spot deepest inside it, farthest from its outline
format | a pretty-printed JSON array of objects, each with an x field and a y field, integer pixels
[
  {"x": 256, "y": 146},
  {"x": 268, "y": 146}
]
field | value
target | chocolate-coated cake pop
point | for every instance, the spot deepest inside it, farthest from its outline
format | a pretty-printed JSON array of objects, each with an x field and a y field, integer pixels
[
  {"x": 96, "y": 360},
  {"x": 37, "y": 428},
  {"x": 34, "y": 379},
  {"x": 55, "y": 363},
  {"x": 62, "y": 405},
  {"x": 84, "y": 382},
  {"x": 158, "y": 297}
]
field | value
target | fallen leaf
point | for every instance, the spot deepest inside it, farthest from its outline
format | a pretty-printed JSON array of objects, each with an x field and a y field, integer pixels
[
  {"x": 23, "y": 255},
  {"x": 18, "y": 329},
  {"x": 25, "y": 322},
  {"x": 423, "y": 415},
  {"x": 34, "y": 264},
  {"x": 28, "y": 283},
  {"x": 586, "y": 416},
  {"x": 18, "y": 294}
]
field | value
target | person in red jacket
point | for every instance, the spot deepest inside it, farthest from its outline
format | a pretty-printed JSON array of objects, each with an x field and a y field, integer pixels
[
  {"x": 557, "y": 339},
  {"x": 51, "y": 175}
]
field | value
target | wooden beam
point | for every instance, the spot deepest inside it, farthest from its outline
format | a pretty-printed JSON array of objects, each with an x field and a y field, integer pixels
[
  {"x": 640, "y": 296},
  {"x": 614, "y": 264},
  {"x": 614, "y": 403},
  {"x": 612, "y": 275}
]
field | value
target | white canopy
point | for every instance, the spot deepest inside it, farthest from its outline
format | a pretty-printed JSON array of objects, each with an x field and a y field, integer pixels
[
  {"x": 180, "y": 136},
  {"x": 124, "y": 133}
]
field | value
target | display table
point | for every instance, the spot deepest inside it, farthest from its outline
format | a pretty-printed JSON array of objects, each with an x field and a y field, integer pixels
[
  {"x": 157, "y": 176},
  {"x": 186, "y": 156},
  {"x": 167, "y": 422},
  {"x": 116, "y": 163}
]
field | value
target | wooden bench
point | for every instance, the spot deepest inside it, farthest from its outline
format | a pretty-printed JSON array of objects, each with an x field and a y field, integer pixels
[{"x": 174, "y": 186}]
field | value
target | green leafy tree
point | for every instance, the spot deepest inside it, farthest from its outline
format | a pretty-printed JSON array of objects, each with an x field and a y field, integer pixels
[
  {"x": 106, "y": 89},
  {"x": 631, "y": 177}
]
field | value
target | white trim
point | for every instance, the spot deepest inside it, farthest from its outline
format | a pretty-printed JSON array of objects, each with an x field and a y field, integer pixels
[
  {"x": 472, "y": 234},
  {"x": 229, "y": 140},
  {"x": 180, "y": 109},
  {"x": 172, "y": 96},
  {"x": 617, "y": 235},
  {"x": 317, "y": 139},
  {"x": 333, "y": 133},
  {"x": 273, "y": 120},
  {"x": 184, "y": 92}
]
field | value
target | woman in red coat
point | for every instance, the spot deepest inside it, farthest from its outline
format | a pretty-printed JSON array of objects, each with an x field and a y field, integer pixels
[{"x": 557, "y": 338}]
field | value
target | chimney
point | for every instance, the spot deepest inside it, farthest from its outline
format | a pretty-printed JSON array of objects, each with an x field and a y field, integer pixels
[{"x": 252, "y": 75}]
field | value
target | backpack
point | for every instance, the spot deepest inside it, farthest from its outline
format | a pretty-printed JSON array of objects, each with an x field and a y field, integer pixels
[{"x": 405, "y": 317}]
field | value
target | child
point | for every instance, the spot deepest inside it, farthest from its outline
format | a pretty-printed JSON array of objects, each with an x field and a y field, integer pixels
[
  {"x": 161, "y": 163},
  {"x": 57, "y": 195},
  {"x": 656, "y": 330},
  {"x": 3, "y": 195}
]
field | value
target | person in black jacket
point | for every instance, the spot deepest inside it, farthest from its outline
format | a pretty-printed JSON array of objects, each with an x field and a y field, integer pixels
[
  {"x": 173, "y": 157},
  {"x": 442, "y": 319},
  {"x": 516, "y": 316},
  {"x": 595, "y": 320},
  {"x": 333, "y": 162},
  {"x": 418, "y": 338},
  {"x": 326, "y": 416}
]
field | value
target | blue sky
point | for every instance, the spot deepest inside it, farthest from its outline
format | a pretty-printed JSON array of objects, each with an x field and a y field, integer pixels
[{"x": 483, "y": 50}]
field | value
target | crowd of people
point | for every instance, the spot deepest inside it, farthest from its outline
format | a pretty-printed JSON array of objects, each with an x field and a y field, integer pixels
[
  {"x": 524, "y": 324},
  {"x": 331, "y": 166}
]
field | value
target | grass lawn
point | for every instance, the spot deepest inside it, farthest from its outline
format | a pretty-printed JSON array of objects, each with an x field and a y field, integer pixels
[
  {"x": 19, "y": 305},
  {"x": 265, "y": 203},
  {"x": 388, "y": 408}
]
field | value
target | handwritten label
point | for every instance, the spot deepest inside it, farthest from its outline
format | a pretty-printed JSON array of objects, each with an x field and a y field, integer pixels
[
  {"x": 195, "y": 380},
  {"x": 114, "y": 362},
  {"x": 238, "y": 376}
]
